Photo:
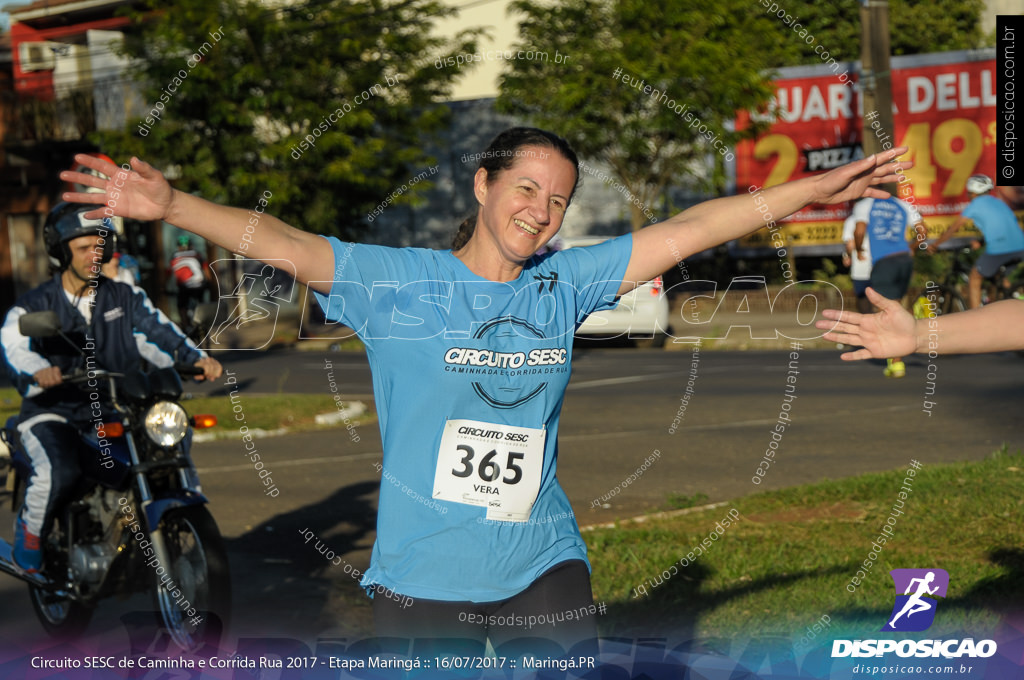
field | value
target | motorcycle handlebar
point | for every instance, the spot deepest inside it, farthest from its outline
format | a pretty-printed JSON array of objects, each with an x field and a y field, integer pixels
[{"x": 82, "y": 375}]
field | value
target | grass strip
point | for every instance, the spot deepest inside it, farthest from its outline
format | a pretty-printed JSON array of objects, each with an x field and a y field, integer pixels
[
  {"x": 261, "y": 411},
  {"x": 789, "y": 559}
]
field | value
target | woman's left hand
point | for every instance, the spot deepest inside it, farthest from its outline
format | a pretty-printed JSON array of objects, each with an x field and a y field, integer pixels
[{"x": 858, "y": 179}]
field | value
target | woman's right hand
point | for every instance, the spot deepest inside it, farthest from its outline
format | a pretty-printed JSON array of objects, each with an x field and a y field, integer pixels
[
  {"x": 891, "y": 332},
  {"x": 141, "y": 193}
]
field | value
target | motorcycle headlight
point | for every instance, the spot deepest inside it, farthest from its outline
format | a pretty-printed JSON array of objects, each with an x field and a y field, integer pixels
[{"x": 166, "y": 423}]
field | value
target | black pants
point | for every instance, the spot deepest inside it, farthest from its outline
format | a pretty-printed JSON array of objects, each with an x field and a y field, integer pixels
[
  {"x": 53, "y": 446},
  {"x": 554, "y": 614},
  {"x": 891, "y": 275},
  {"x": 188, "y": 300}
]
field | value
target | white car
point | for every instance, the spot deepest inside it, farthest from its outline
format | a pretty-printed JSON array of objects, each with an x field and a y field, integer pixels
[{"x": 641, "y": 315}]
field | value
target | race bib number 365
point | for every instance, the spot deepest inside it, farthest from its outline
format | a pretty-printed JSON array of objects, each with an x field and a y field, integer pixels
[{"x": 493, "y": 466}]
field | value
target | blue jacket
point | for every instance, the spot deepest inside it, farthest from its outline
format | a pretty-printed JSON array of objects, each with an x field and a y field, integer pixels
[{"x": 126, "y": 328}]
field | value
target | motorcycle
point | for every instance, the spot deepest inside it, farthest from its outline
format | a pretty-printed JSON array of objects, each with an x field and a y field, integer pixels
[{"x": 137, "y": 521}]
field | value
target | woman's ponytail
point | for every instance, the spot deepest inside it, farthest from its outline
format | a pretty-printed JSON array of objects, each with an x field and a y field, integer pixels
[{"x": 464, "y": 233}]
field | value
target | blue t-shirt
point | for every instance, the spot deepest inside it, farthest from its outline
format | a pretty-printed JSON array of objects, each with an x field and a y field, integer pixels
[
  {"x": 887, "y": 223},
  {"x": 997, "y": 223},
  {"x": 445, "y": 344}
]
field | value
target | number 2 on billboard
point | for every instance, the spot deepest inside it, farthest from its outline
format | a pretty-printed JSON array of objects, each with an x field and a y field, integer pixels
[{"x": 784, "y": 149}]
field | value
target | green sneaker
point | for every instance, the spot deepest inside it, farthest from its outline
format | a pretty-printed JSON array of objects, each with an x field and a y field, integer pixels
[{"x": 895, "y": 369}]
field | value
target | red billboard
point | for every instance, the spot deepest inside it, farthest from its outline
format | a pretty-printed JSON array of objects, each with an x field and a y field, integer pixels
[{"x": 943, "y": 109}]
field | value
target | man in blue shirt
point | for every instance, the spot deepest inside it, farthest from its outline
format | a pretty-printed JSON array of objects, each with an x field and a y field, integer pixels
[
  {"x": 883, "y": 224},
  {"x": 1004, "y": 239}
]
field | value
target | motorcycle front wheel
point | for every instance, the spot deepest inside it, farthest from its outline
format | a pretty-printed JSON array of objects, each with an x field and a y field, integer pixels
[{"x": 193, "y": 594}]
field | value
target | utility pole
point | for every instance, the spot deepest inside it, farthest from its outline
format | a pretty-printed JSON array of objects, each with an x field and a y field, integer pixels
[{"x": 876, "y": 79}]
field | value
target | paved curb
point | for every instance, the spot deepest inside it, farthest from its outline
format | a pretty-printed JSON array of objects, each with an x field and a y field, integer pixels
[
  {"x": 353, "y": 410},
  {"x": 657, "y": 515}
]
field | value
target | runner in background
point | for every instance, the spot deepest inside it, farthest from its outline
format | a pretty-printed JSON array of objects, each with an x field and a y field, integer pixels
[
  {"x": 859, "y": 263},
  {"x": 882, "y": 225},
  {"x": 192, "y": 276},
  {"x": 116, "y": 271}
]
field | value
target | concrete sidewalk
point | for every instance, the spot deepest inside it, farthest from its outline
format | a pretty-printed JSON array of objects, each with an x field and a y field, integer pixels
[{"x": 753, "y": 319}]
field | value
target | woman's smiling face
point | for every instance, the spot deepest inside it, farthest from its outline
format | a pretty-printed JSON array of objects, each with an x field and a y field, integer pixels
[{"x": 523, "y": 207}]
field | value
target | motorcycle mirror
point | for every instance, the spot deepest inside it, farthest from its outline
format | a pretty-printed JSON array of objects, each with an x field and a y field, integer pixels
[
  {"x": 39, "y": 324},
  {"x": 44, "y": 325}
]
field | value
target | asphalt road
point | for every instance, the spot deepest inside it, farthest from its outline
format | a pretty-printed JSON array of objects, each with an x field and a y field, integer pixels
[{"x": 845, "y": 419}]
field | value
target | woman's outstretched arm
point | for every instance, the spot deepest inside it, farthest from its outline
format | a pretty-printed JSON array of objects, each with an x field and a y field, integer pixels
[{"x": 142, "y": 193}]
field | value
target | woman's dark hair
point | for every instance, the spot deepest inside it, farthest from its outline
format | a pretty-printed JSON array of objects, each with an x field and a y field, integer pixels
[{"x": 502, "y": 154}]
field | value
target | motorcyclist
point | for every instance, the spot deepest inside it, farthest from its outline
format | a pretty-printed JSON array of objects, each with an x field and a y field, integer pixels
[{"x": 115, "y": 327}]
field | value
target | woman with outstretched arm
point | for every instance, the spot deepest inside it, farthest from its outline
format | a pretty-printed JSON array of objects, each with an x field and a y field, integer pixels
[
  {"x": 471, "y": 351},
  {"x": 142, "y": 193}
]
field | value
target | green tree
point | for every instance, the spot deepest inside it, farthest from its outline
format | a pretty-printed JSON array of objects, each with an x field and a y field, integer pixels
[
  {"x": 915, "y": 27},
  {"x": 709, "y": 60},
  {"x": 251, "y": 82}
]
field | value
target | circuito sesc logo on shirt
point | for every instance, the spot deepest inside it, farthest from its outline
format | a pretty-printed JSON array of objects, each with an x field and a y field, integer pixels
[{"x": 513, "y": 376}]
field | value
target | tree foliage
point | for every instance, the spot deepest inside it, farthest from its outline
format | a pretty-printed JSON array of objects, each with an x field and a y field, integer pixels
[
  {"x": 915, "y": 27},
  {"x": 233, "y": 125},
  {"x": 709, "y": 59}
]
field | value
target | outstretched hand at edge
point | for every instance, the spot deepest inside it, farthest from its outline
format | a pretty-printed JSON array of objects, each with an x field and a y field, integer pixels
[
  {"x": 140, "y": 193},
  {"x": 891, "y": 332}
]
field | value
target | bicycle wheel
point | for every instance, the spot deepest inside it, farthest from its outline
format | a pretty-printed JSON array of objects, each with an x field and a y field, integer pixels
[{"x": 952, "y": 301}]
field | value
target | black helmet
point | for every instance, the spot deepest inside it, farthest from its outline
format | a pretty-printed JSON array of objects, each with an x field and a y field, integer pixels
[{"x": 67, "y": 221}]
